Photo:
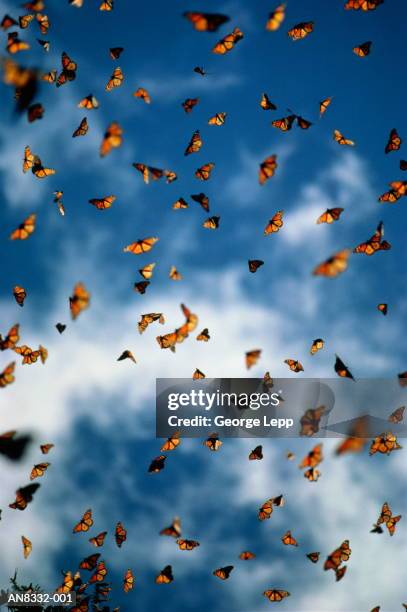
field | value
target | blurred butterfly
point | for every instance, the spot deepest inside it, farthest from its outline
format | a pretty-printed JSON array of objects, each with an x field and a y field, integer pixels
[
  {"x": 254, "y": 264},
  {"x": 330, "y": 215},
  {"x": 294, "y": 365},
  {"x": 106, "y": 5},
  {"x": 189, "y": 104},
  {"x": 13, "y": 447},
  {"x": 397, "y": 190},
  {"x": 7, "y": 22},
  {"x": 313, "y": 458},
  {"x": 126, "y": 355},
  {"x": 174, "y": 530},
  {"x": 187, "y": 544},
  {"x": 323, "y": 105},
  {"x": 267, "y": 168},
  {"x": 266, "y": 510},
  {"x": 302, "y": 123},
  {"x": 301, "y": 30},
  {"x": 27, "y": 546},
  {"x": 79, "y": 300},
  {"x": 211, "y": 223},
  {"x": 82, "y": 129},
  {"x": 39, "y": 470},
  {"x": 165, "y": 576},
  {"x": 340, "y": 572},
  {"x": 39, "y": 170},
  {"x": 256, "y": 453},
  {"x": 116, "y": 80},
  {"x": 69, "y": 68},
  {"x": 383, "y": 308},
  {"x": 60, "y": 327},
  {"x": 246, "y": 555},
  {"x": 388, "y": 518},
  {"x": 67, "y": 584},
  {"x": 89, "y": 102},
  {"x": 6, "y": 376},
  {"x": 43, "y": 353},
  {"x": 157, "y": 464},
  {"x": 45, "y": 448},
  {"x": 227, "y": 43},
  {"x": 288, "y": 539},
  {"x": 198, "y": 375},
  {"x": 143, "y": 95},
  {"x": 252, "y": 357},
  {"x": 141, "y": 246},
  {"x": 112, "y": 139},
  {"x": 29, "y": 356},
  {"x": 334, "y": 265},
  {"x": 312, "y": 474},
  {"x": 212, "y": 442},
  {"x": 24, "y": 496},
  {"x": 99, "y": 539},
  {"x": 341, "y": 369},
  {"x": 14, "y": 44},
  {"x": 276, "y": 594},
  {"x": 35, "y": 112},
  {"x": 100, "y": 573},
  {"x": 266, "y": 103},
  {"x": 317, "y": 345},
  {"x": 313, "y": 556},
  {"x": 25, "y": 229},
  {"x": 115, "y": 52},
  {"x": 335, "y": 559},
  {"x": 206, "y": 22},
  {"x": 397, "y": 416},
  {"x": 148, "y": 171},
  {"x": 194, "y": 144},
  {"x": 223, "y": 572},
  {"x": 200, "y": 70},
  {"x": 35, "y": 5},
  {"x": 310, "y": 421},
  {"x": 374, "y": 243},
  {"x": 394, "y": 142},
  {"x": 19, "y": 295},
  {"x": 284, "y": 124},
  {"x": 128, "y": 581},
  {"x": 364, "y": 5},
  {"x": 89, "y": 563},
  {"x": 340, "y": 139},
  {"x": 11, "y": 339},
  {"x": 385, "y": 444},
  {"x": 85, "y": 523},
  {"x": 275, "y": 223},
  {"x": 203, "y": 336},
  {"x": 218, "y": 119},
  {"x": 276, "y": 18},
  {"x": 403, "y": 164},
  {"x": 43, "y": 23},
  {"x": 204, "y": 172},
  {"x": 147, "y": 319},
  {"x": 49, "y": 77},
  {"x": 171, "y": 443},
  {"x": 103, "y": 203},
  {"x": 363, "y": 49}
]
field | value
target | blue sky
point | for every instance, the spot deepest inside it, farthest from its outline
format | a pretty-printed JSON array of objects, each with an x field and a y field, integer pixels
[{"x": 100, "y": 413}]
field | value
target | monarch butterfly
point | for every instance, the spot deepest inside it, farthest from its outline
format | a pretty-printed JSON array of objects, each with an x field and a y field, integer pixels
[
  {"x": 227, "y": 43},
  {"x": 256, "y": 453},
  {"x": 24, "y": 496},
  {"x": 266, "y": 510},
  {"x": 126, "y": 355},
  {"x": 174, "y": 530},
  {"x": 398, "y": 190},
  {"x": 120, "y": 534},
  {"x": 85, "y": 523},
  {"x": 206, "y": 22},
  {"x": 115, "y": 52},
  {"x": 266, "y": 103},
  {"x": 211, "y": 223},
  {"x": 301, "y": 30},
  {"x": 288, "y": 539},
  {"x": 147, "y": 319},
  {"x": 252, "y": 357},
  {"x": 317, "y": 345},
  {"x": 27, "y": 546},
  {"x": 323, "y": 105},
  {"x": 312, "y": 474},
  {"x": 79, "y": 300},
  {"x": 302, "y": 123},
  {"x": 11, "y": 338},
  {"x": 246, "y": 555},
  {"x": 172, "y": 442},
  {"x": 387, "y": 517},
  {"x": 385, "y": 444},
  {"x": 339, "y": 555},
  {"x": 187, "y": 544},
  {"x": 89, "y": 102},
  {"x": 189, "y": 104},
  {"x": 89, "y": 563},
  {"x": 28, "y": 161},
  {"x": 148, "y": 171},
  {"x": 403, "y": 164},
  {"x": 341, "y": 369},
  {"x": 268, "y": 381},
  {"x": 374, "y": 243},
  {"x": 334, "y": 265},
  {"x": 275, "y": 223},
  {"x": 397, "y": 416},
  {"x": 394, "y": 142},
  {"x": 43, "y": 23},
  {"x": 25, "y": 229},
  {"x": 157, "y": 464},
  {"x": 39, "y": 470},
  {"x": 198, "y": 375},
  {"x": 313, "y": 458},
  {"x": 49, "y": 77},
  {"x": 310, "y": 421},
  {"x": 223, "y": 572},
  {"x": 39, "y": 170},
  {"x": 165, "y": 576},
  {"x": 218, "y": 119},
  {"x": 254, "y": 264},
  {"x": 29, "y": 356},
  {"x": 69, "y": 68},
  {"x": 35, "y": 112},
  {"x": 82, "y": 129},
  {"x": 294, "y": 365},
  {"x": 383, "y": 308},
  {"x": 340, "y": 139},
  {"x": 100, "y": 573},
  {"x": 112, "y": 139},
  {"x": 7, "y": 22},
  {"x": 60, "y": 327},
  {"x": 128, "y": 581},
  {"x": 363, "y": 49},
  {"x": 67, "y": 584},
  {"x": 194, "y": 144},
  {"x": 35, "y": 5},
  {"x": 284, "y": 124},
  {"x": 204, "y": 172},
  {"x": 203, "y": 336},
  {"x": 103, "y": 203},
  {"x": 141, "y": 246},
  {"x": 200, "y": 70},
  {"x": 340, "y": 572},
  {"x": 276, "y": 594},
  {"x": 330, "y": 215},
  {"x": 14, "y": 44},
  {"x": 25, "y": 20},
  {"x": 6, "y": 376},
  {"x": 106, "y": 5},
  {"x": 116, "y": 79},
  {"x": 313, "y": 556},
  {"x": 99, "y": 539},
  {"x": 45, "y": 448},
  {"x": 143, "y": 94},
  {"x": 19, "y": 295},
  {"x": 267, "y": 168},
  {"x": 276, "y": 18},
  {"x": 212, "y": 442},
  {"x": 365, "y": 5}
]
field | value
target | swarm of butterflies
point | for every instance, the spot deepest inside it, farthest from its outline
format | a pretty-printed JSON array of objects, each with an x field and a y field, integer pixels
[{"x": 23, "y": 80}]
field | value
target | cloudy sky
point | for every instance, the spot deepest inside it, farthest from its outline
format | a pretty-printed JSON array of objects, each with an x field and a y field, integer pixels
[{"x": 100, "y": 412}]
